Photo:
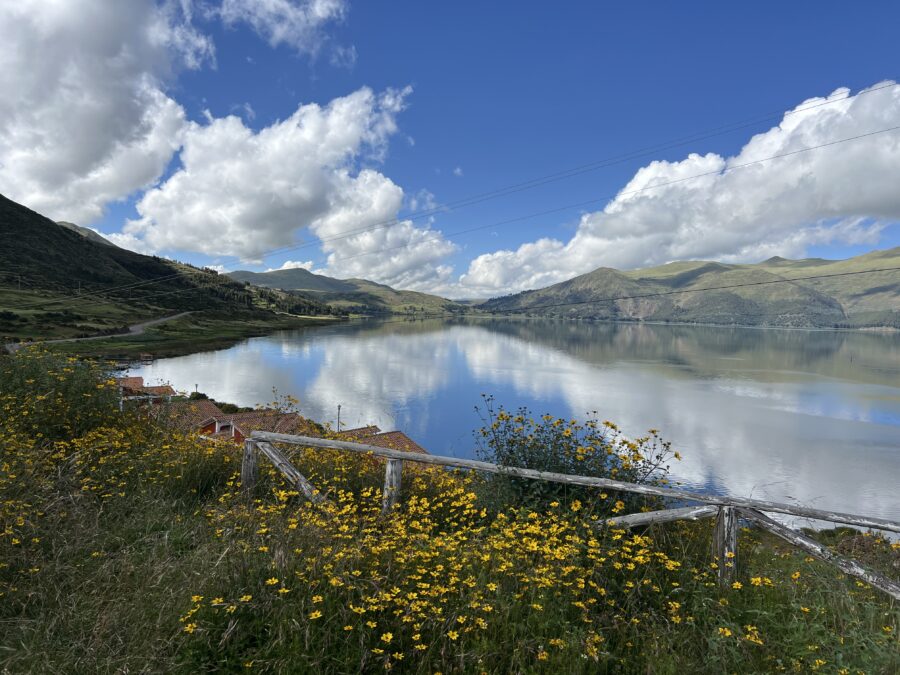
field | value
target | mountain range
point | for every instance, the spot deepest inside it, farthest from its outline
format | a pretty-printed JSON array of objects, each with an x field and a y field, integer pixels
[
  {"x": 59, "y": 279},
  {"x": 770, "y": 293},
  {"x": 351, "y": 295}
]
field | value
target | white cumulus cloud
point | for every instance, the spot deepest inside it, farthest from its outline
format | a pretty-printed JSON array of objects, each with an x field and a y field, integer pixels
[
  {"x": 843, "y": 193},
  {"x": 297, "y": 23},
  {"x": 294, "y": 265},
  {"x": 85, "y": 119},
  {"x": 244, "y": 193}
]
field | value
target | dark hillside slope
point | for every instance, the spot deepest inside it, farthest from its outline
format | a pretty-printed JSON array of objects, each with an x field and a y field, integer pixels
[
  {"x": 85, "y": 232},
  {"x": 52, "y": 276}
]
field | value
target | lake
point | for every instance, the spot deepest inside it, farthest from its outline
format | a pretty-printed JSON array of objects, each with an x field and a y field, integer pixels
[{"x": 808, "y": 417}]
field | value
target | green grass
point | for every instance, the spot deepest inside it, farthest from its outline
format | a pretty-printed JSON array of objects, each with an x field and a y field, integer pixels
[
  {"x": 187, "y": 335},
  {"x": 126, "y": 548},
  {"x": 65, "y": 317}
]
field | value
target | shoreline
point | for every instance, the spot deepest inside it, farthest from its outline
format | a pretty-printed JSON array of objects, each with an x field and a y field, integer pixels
[
  {"x": 212, "y": 334},
  {"x": 185, "y": 336}
]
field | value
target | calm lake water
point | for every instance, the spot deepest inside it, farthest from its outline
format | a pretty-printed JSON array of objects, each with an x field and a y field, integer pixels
[{"x": 811, "y": 417}]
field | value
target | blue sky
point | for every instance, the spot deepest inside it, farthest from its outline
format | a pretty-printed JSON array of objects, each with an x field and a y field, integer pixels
[{"x": 485, "y": 95}]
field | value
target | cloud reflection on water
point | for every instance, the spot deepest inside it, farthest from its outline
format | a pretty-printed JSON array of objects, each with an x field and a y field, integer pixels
[{"x": 782, "y": 415}]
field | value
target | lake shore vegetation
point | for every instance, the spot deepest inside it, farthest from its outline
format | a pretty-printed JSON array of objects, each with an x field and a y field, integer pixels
[{"x": 126, "y": 546}]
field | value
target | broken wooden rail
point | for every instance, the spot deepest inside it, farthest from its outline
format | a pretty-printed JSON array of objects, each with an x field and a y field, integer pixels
[{"x": 726, "y": 510}]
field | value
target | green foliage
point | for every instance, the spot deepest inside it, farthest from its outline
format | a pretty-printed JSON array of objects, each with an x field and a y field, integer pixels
[
  {"x": 55, "y": 397},
  {"x": 556, "y": 445}
]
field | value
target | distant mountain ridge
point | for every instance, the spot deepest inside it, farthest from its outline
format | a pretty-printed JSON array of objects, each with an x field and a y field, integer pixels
[
  {"x": 355, "y": 295},
  {"x": 657, "y": 293}
]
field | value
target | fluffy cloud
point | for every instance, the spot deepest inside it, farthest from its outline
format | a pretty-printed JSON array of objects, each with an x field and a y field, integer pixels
[
  {"x": 245, "y": 193},
  {"x": 85, "y": 120},
  {"x": 296, "y": 23},
  {"x": 294, "y": 265},
  {"x": 843, "y": 193}
]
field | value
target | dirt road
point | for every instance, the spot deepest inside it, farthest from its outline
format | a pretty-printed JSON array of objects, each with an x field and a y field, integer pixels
[{"x": 135, "y": 329}]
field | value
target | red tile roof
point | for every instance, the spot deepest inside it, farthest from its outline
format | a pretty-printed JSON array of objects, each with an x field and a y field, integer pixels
[
  {"x": 269, "y": 420},
  {"x": 188, "y": 415},
  {"x": 130, "y": 383},
  {"x": 161, "y": 390},
  {"x": 395, "y": 440},
  {"x": 358, "y": 433}
]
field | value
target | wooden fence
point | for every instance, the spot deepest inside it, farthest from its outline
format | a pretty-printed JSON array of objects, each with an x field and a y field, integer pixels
[{"x": 726, "y": 510}]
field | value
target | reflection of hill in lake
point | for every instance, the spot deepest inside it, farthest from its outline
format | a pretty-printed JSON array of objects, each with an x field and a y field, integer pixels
[{"x": 871, "y": 358}]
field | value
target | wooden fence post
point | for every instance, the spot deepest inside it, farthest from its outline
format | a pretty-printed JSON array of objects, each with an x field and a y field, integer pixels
[
  {"x": 820, "y": 551},
  {"x": 297, "y": 479},
  {"x": 392, "y": 477},
  {"x": 248, "y": 465},
  {"x": 725, "y": 544}
]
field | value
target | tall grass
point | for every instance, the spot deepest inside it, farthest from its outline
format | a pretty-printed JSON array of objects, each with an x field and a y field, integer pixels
[{"x": 126, "y": 548}]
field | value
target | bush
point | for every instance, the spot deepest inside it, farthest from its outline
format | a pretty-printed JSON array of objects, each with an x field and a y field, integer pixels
[
  {"x": 594, "y": 449},
  {"x": 56, "y": 397}
]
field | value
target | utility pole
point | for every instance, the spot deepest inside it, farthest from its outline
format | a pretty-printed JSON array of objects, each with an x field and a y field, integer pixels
[{"x": 339, "y": 417}]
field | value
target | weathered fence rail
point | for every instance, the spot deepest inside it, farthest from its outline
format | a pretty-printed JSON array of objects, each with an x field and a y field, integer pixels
[{"x": 726, "y": 510}]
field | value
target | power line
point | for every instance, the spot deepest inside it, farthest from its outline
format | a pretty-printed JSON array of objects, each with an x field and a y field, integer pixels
[
  {"x": 655, "y": 186},
  {"x": 579, "y": 170},
  {"x": 524, "y": 217},
  {"x": 727, "y": 169}
]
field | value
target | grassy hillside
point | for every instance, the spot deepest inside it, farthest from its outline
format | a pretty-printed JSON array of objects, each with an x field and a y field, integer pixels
[
  {"x": 294, "y": 280},
  {"x": 352, "y": 295},
  {"x": 845, "y": 301},
  {"x": 55, "y": 282}
]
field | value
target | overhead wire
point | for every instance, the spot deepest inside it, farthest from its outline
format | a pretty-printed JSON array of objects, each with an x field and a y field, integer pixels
[
  {"x": 555, "y": 176},
  {"x": 575, "y": 171}
]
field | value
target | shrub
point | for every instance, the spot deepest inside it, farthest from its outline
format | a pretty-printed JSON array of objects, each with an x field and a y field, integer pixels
[
  {"x": 56, "y": 397},
  {"x": 547, "y": 443}
]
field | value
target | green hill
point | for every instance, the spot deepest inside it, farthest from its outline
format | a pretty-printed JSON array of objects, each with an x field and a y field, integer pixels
[
  {"x": 717, "y": 293},
  {"x": 293, "y": 280},
  {"x": 352, "y": 295},
  {"x": 57, "y": 282}
]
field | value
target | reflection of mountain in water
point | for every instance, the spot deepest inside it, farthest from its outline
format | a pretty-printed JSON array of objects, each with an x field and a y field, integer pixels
[{"x": 871, "y": 358}]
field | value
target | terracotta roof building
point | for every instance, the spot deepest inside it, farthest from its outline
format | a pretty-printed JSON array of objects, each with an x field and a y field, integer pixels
[
  {"x": 239, "y": 425},
  {"x": 188, "y": 415},
  {"x": 358, "y": 433},
  {"x": 134, "y": 386},
  {"x": 130, "y": 385},
  {"x": 161, "y": 390},
  {"x": 395, "y": 440}
]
